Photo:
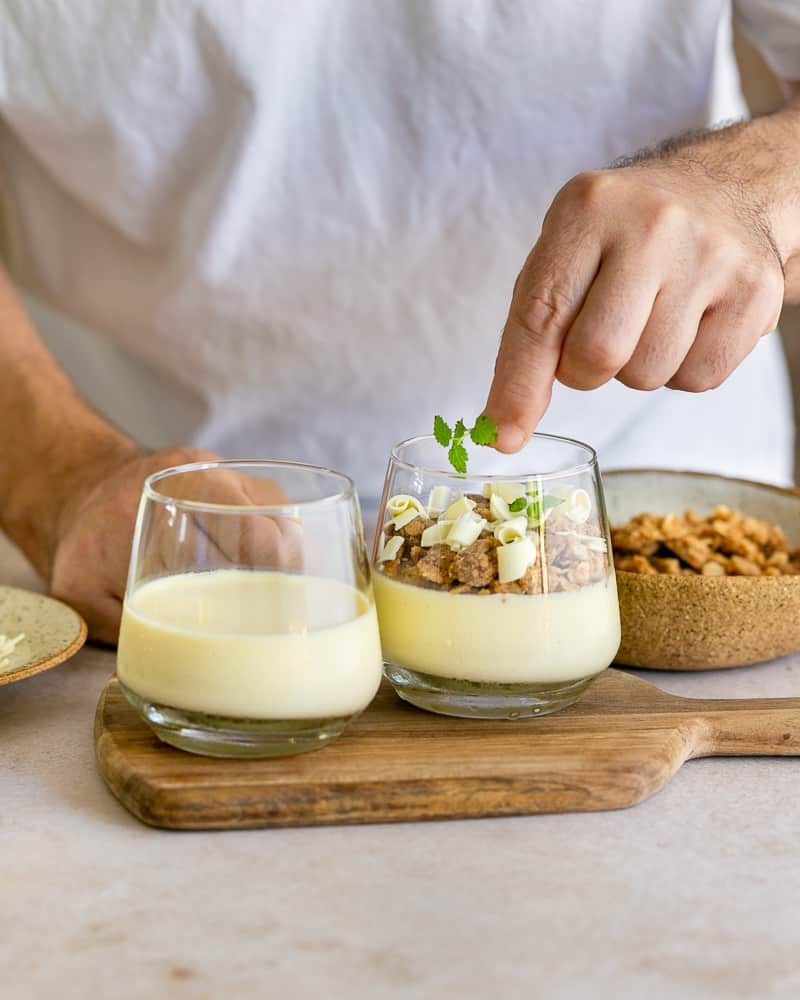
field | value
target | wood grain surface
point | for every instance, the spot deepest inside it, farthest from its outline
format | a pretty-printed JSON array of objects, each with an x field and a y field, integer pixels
[{"x": 621, "y": 743}]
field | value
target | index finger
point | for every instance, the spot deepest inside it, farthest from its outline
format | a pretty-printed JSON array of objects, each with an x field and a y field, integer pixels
[{"x": 547, "y": 297}]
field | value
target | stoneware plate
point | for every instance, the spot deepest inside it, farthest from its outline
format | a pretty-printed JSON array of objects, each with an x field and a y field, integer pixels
[
  {"x": 697, "y": 622},
  {"x": 53, "y": 632}
]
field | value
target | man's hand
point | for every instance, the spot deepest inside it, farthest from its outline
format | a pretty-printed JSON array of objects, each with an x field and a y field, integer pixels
[
  {"x": 93, "y": 532},
  {"x": 95, "y": 527},
  {"x": 663, "y": 272}
]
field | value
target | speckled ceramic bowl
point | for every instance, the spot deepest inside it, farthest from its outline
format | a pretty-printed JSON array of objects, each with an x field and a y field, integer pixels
[{"x": 697, "y": 622}]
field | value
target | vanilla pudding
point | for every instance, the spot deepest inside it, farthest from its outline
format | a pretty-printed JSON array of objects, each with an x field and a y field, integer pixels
[
  {"x": 495, "y": 590},
  {"x": 251, "y": 645},
  {"x": 499, "y": 638}
]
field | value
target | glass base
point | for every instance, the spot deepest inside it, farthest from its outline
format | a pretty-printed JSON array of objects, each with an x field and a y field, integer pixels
[
  {"x": 482, "y": 700},
  {"x": 222, "y": 736}
]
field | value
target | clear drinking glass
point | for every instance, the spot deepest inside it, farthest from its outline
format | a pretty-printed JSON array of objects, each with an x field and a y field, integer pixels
[
  {"x": 495, "y": 590},
  {"x": 249, "y": 627}
]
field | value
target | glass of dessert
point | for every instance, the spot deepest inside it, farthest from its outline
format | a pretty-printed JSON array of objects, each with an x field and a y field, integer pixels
[
  {"x": 495, "y": 589},
  {"x": 248, "y": 626}
]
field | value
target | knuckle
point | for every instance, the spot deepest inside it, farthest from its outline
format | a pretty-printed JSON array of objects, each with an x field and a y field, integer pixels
[
  {"x": 579, "y": 379},
  {"x": 756, "y": 299},
  {"x": 769, "y": 289},
  {"x": 589, "y": 365},
  {"x": 696, "y": 380},
  {"x": 544, "y": 311},
  {"x": 601, "y": 356},
  {"x": 665, "y": 217},
  {"x": 587, "y": 190},
  {"x": 640, "y": 379},
  {"x": 685, "y": 383},
  {"x": 715, "y": 252},
  {"x": 751, "y": 277}
]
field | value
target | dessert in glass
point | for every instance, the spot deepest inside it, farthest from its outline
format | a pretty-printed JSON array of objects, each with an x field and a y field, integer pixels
[
  {"x": 495, "y": 589},
  {"x": 249, "y": 626}
]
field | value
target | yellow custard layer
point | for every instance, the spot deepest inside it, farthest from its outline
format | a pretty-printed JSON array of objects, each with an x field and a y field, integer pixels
[
  {"x": 251, "y": 645},
  {"x": 501, "y": 638}
]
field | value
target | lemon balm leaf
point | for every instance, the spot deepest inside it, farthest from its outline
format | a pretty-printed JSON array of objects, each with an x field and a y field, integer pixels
[
  {"x": 539, "y": 508},
  {"x": 441, "y": 431},
  {"x": 458, "y": 457},
  {"x": 485, "y": 431}
]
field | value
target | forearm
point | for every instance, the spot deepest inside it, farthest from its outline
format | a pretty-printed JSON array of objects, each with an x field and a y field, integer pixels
[{"x": 47, "y": 433}]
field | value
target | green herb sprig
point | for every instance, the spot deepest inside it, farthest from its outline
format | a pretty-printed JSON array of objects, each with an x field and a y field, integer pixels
[
  {"x": 535, "y": 505},
  {"x": 482, "y": 432}
]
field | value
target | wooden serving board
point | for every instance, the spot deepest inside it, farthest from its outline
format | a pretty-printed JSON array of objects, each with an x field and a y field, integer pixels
[{"x": 621, "y": 743}]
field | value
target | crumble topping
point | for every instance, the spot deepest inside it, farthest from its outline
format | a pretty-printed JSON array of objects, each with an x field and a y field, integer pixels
[{"x": 725, "y": 543}]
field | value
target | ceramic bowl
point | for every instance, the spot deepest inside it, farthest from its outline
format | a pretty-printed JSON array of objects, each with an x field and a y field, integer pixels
[{"x": 699, "y": 622}]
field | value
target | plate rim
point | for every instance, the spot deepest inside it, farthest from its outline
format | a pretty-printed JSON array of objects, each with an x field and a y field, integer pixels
[{"x": 47, "y": 662}]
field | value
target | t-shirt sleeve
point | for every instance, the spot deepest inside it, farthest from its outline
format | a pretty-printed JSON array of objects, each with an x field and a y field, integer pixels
[{"x": 773, "y": 26}]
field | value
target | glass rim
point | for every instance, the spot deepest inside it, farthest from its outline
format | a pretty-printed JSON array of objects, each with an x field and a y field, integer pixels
[
  {"x": 589, "y": 465},
  {"x": 150, "y": 492}
]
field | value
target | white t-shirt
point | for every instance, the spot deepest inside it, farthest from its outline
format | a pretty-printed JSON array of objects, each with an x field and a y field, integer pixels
[{"x": 291, "y": 229}]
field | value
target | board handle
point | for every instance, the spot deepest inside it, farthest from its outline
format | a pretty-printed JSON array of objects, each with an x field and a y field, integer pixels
[{"x": 745, "y": 727}]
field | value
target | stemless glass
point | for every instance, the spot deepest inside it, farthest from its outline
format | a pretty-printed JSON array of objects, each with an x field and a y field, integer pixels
[
  {"x": 495, "y": 590},
  {"x": 248, "y": 627}
]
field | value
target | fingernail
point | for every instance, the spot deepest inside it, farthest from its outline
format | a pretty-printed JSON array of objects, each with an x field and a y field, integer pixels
[{"x": 510, "y": 437}]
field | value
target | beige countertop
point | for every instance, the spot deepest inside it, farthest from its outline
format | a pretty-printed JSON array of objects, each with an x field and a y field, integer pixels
[{"x": 692, "y": 894}]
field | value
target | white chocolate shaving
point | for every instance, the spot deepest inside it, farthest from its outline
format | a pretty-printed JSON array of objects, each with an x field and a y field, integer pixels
[
  {"x": 405, "y": 518},
  {"x": 436, "y": 533},
  {"x": 7, "y": 647},
  {"x": 499, "y": 508},
  {"x": 508, "y": 491},
  {"x": 511, "y": 530},
  {"x": 438, "y": 500},
  {"x": 465, "y": 531},
  {"x": 391, "y": 548},
  {"x": 402, "y": 502},
  {"x": 579, "y": 506},
  {"x": 462, "y": 506},
  {"x": 514, "y": 560}
]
